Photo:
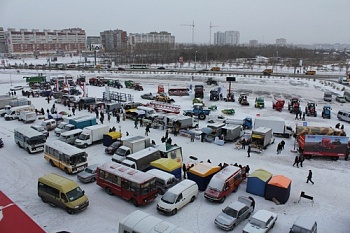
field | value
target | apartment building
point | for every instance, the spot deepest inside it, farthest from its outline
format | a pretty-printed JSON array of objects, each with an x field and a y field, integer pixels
[
  {"x": 226, "y": 38},
  {"x": 112, "y": 40},
  {"x": 152, "y": 37},
  {"x": 24, "y": 41}
]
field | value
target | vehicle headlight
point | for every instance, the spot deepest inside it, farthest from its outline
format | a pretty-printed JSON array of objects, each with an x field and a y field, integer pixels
[{"x": 76, "y": 207}]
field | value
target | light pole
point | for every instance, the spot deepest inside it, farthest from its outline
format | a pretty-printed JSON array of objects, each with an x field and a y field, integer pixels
[{"x": 195, "y": 59}]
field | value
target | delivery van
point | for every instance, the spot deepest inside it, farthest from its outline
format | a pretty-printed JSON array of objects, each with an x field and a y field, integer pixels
[
  {"x": 70, "y": 136},
  {"x": 164, "y": 180},
  {"x": 177, "y": 197},
  {"x": 343, "y": 115},
  {"x": 62, "y": 192},
  {"x": 49, "y": 124}
]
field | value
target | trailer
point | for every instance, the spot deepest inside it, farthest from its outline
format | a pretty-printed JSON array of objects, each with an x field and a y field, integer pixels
[
  {"x": 142, "y": 159},
  {"x": 27, "y": 116},
  {"x": 180, "y": 122},
  {"x": 178, "y": 92},
  {"x": 261, "y": 137},
  {"x": 322, "y": 142},
  {"x": 279, "y": 127},
  {"x": 90, "y": 135},
  {"x": 232, "y": 132}
]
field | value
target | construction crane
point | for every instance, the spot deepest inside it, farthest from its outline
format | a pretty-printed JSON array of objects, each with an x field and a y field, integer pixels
[
  {"x": 190, "y": 25},
  {"x": 211, "y": 26}
]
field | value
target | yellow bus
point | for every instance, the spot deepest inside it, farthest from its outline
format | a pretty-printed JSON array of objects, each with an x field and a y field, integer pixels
[{"x": 67, "y": 157}]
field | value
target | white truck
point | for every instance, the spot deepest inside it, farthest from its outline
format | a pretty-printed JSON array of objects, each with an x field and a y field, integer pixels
[
  {"x": 27, "y": 116},
  {"x": 139, "y": 221},
  {"x": 180, "y": 121},
  {"x": 278, "y": 126},
  {"x": 5, "y": 100},
  {"x": 14, "y": 112},
  {"x": 14, "y": 103},
  {"x": 146, "y": 112},
  {"x": 142, "y": 159},
  {"x": 131, "y": 145},
  {"x": 91, "y": 134}
]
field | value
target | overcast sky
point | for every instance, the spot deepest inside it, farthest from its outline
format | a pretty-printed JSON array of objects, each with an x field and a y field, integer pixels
[{"x": 298, "y": 21}]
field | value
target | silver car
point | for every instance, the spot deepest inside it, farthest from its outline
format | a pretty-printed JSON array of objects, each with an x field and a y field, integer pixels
[
  {"x": 89, "y": 174},
  {"x": 235, "y": 213},
  {"x": 40, "y": 129}
]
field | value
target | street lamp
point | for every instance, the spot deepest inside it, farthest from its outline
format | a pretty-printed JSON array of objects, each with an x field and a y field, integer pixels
[{"x": 195, "y": 60}]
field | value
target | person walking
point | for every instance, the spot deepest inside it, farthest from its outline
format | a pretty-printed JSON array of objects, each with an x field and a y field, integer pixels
[
  {"x": 300, "y": 113},
  {"x": 193, "y": 135},
  {"x": 248, "y": 151},
  {"x": 141, "y": 122},
  {"x": 147, "y": 130},
  {"x": 166, "y": 134},
  {"x": 296, "y": 116},
  {"x": 282, "y": 144},
  {"x": 296, "y": 161},
  {"x": 169, "y": 141},
  {"x": 279, "y": 148},
  {"x": 309, "y": 177},
  {"x": 118, "y": 118},
  {"x": 135, "y": 124},
  {"x": 73, "y": 111},
  {"x": 202, "y": 137},
  {"x": 109, "y": 117},
  {"x": 102, "y": 117},
  {"x": 301, "y": 160},
  {"x": 303, "y": 116},
  {"x": 243, "y": 143}
]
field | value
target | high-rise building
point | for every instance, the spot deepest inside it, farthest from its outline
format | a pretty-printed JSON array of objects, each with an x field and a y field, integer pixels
[
  {"x": 226, "y": 38},
  {"x": 152, "y": 37},
  {"x": 35, "y": 41},
  {"x": 2, "y": 41},
  {"x": 281, "y": 42},
  {"x": 112, "y": 40}
]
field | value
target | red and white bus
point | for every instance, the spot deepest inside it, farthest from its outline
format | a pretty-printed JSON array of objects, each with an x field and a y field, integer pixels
[{"x": 133, "y": 185}]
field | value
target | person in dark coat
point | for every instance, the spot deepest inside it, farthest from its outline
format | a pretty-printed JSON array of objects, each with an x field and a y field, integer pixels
[
  {"x": 118, "y": 118},
  {"x": 279, "y": 148},
  {"x": 282, "y": 144},
  {"x": 247, "y": 169},
  {"x": 166, "y": 134},
  {"x": 253, "y": 202},
  {"x": 337, "y": 126},
  {"x": 342, "y": 127},
  {"x": 147, "y": 130},
  {"x": 73, "y": 111},
  {"x": 202, "y": 137},
  {"x": 42, "y": 111},
  {"x": 153, "y": 142},
  {"x": 297, "y": 116},
  {"x": 184, "y": 170},
  {"x": 301, "y": 160},
  {"x": 309, "y": 177},
  {"x": 193, "y": 136},
  {"x": 243, "y": 143},
  {"x": 248, "y": 151},
  {"x": 163, "y": 139},
  {"x": 296, "y": 161},
  {"x": 169, "y": 140},
  {"x": 96, "y": 112},
  {"x": 135, "y": 124}
]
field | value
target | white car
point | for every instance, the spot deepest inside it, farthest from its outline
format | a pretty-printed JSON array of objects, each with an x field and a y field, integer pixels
[
  {"x": 16, "y": 88},
  {"x": 262, "y": 221}
]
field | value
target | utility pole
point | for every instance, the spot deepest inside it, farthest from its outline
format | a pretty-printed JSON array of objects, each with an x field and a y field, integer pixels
[
  {"x": 211, "y": 26},
  {"x": 190, "y": 25}
]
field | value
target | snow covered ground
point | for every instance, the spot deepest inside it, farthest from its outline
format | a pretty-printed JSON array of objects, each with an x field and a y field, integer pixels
[{"x": 20, "y": 171}]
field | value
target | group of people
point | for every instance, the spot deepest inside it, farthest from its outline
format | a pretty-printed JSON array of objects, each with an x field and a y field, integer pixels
[
  {"x": 300, "y": 115},
  {"x": 299, "y": 159},
  {"x": 337, "y": 126}
]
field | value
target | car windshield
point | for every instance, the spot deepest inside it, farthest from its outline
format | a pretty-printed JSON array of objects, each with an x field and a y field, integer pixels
[
  {"x": 229, "y": 211},
  {"x": 257, "y": 222},
  {"x": 169, "y": 198},
  {"x": 89, "y": 170},
  {"x": 61, "y": 126},
  {"x": 115, "y": 144},
  {"x": 216, "y": 184},
  {"x": 75, "y": 194},
  {"x": 83, "y": 137}
]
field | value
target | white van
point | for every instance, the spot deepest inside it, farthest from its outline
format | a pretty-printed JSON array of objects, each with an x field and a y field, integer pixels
[
  {"x": 164, "y": 180},
  {"x": 49, "y": 124},
  {"x": 344, "y": 115},
  {"x": 70, "y": 136},
  {"x": 177, "y": 197},
  {"x": 304, "y": 224}
]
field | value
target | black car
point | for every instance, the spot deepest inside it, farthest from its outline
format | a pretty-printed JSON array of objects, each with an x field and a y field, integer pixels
[
  {"x": 113, "y": 147},
  {"x": 148, "y": 96}
]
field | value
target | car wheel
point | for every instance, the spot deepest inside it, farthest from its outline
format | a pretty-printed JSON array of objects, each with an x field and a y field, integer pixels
[
  {"x": 134, "y": 202},
  {"x": 222, "y": 199},
  {"x": 44, "y": 199},
  {"x": 174, "y": 211},
  {"x": 109, "y": 191},
  {"x": 93, "y": 179},
  {"x": 193, "y": 198},
  {"x": 273, "y": 224},
  {"x": 66, "y": 170},
  {"x": 69, "y": 211},
  {"x": 52, "y": 164},
  {"x": 248, "y": 215}
]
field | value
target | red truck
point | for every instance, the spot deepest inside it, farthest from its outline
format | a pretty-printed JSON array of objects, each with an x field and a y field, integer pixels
[{"x": 322, "y": 141}]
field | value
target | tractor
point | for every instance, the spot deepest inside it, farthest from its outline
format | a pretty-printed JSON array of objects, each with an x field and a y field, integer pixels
[
  {"x": 310, "y": 109},
  {"x": 162, "y": 97},
  {"x": 214, "y": 95},
  {"x": 278, "y": 104},
  {"x": 198, "y": 111},
  {"x": 259, "y": 102},
  {"x": 326, "y": 112},
  {"x": 243, "y": 99},
  {"x": 294, "y": 105}
]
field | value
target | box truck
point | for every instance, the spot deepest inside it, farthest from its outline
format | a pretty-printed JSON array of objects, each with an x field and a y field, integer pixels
[
  {"x": 14, "y": 112},
  {"x": 5, "y": 100},
  {"x": 27, "y": 116},
  {"x": 142, "y": 159},
  {"x": 133, "y": 144},
  {"x": 13, "y": 103},
  {"x": 261, "y": 137},
  {"x": 90, "y": 135},
  {"x": 279, "y": 127},
  {"x": 232, "y": 132}
]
